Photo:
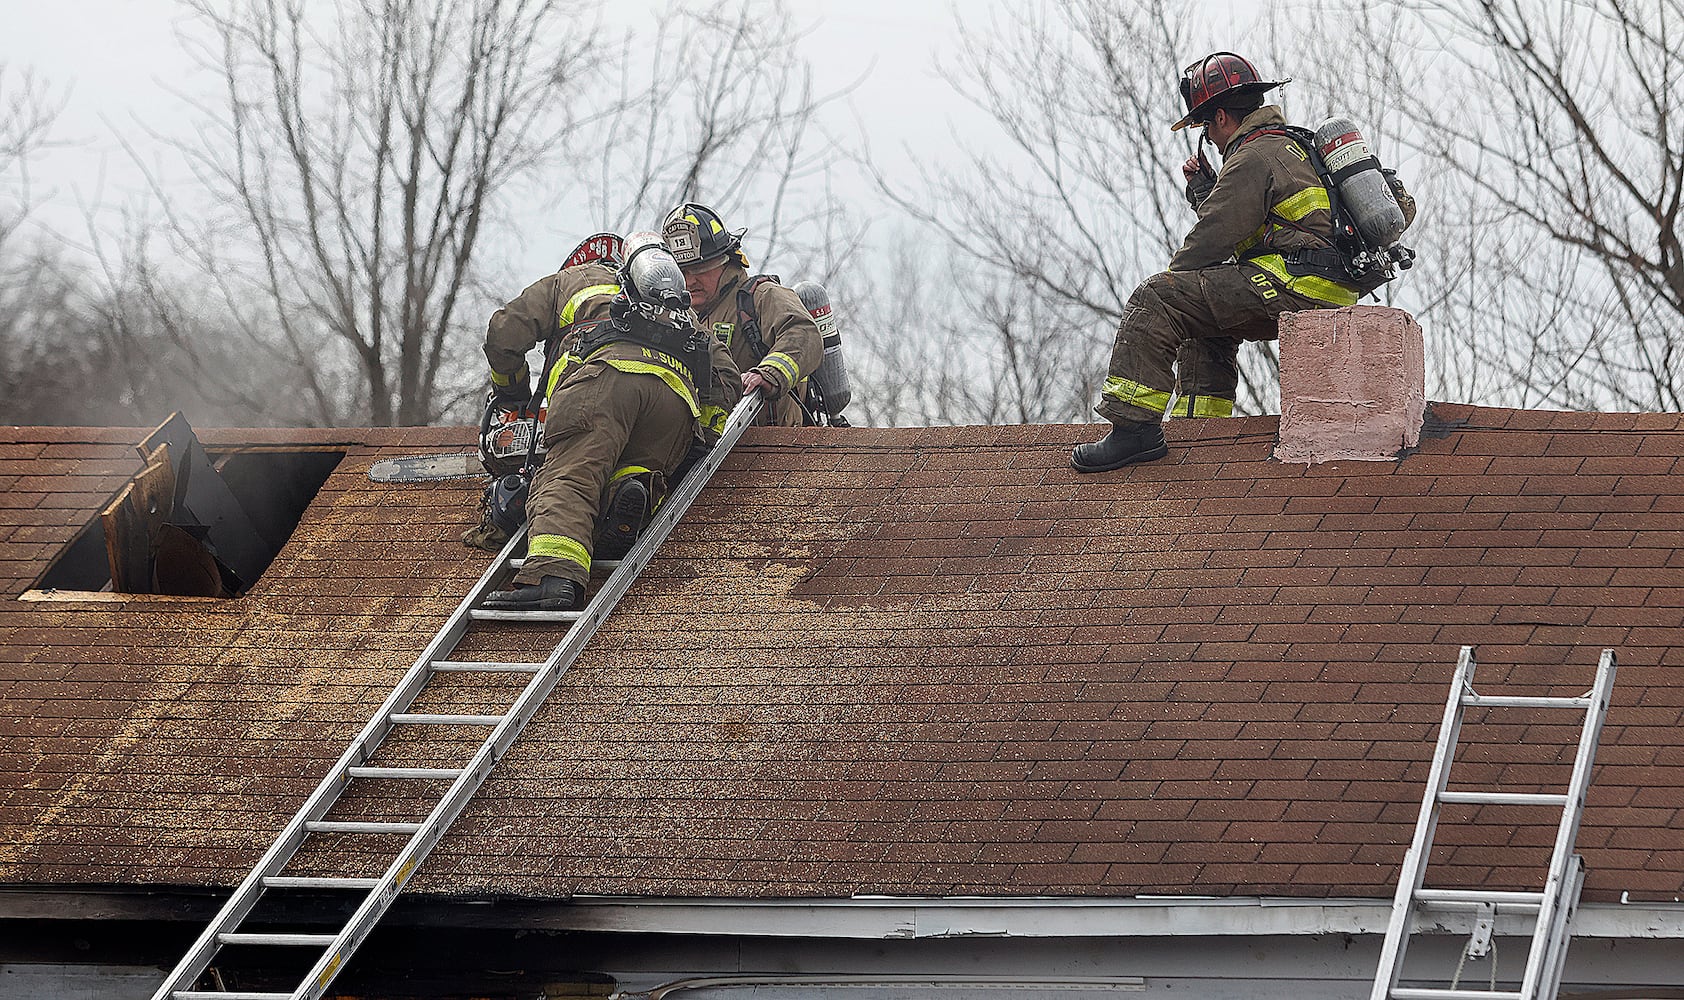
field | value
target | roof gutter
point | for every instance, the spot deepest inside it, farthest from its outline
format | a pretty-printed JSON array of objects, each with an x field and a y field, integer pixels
[
  {"x": 1139, "y": 916},
  {"x": 869, "y": 917}
]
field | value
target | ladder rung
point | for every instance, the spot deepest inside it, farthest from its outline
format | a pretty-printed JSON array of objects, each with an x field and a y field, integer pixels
[
  {"x": 341, "y": 826},
  {"x": 496, "y": 615},
  {"x": 1476, "y": 897},
  {"x": 423, "y": 773},
  {"x": 283, "y": 940},
  {"x": 1502, "y": 798},
  {"x": 398, "y": 707},
  {"x": 460, "y": 667},
  {"x": 1412, "y": 994},
  {"x": 1516, "y": 701},
  {"x": 309, "y": 882},
  {"x": 446, "y": 720},
  {"x": 609, "y": 564}
]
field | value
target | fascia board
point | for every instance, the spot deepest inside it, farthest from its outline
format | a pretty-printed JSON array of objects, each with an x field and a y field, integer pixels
[{"x": 887, "y": 918}]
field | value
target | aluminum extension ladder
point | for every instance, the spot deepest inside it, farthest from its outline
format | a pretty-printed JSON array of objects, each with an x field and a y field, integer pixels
[
  {"x": 336, "y": 948},
  {"x": 1554, "y": 905}
]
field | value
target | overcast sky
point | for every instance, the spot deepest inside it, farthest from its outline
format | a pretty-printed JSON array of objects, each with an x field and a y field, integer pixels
[{"x": 121, "y": 71}]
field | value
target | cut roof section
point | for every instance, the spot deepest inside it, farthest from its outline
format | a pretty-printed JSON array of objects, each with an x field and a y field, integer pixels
[
  {"x": 187, "y": 525},
  {"x": 917, "y": 662}
]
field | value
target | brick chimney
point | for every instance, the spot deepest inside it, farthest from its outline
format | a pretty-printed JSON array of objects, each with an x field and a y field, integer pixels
[{"x": 1353, "y": 384}]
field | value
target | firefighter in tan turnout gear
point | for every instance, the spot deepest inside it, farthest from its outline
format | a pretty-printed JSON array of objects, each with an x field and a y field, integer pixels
[
  {"x": 770, "y": 333},
  {"x": 1263, "y": 245},
  {"x": 637, "y": 383}
]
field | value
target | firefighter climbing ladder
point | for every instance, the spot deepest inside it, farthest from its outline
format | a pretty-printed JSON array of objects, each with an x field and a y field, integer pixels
[
  {"x": 269, "y": 875},
  {"x": 1554, "y": 905}
]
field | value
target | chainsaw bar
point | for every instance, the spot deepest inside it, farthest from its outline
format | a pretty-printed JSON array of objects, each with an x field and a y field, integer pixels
[{"x": 427, "y": 468}]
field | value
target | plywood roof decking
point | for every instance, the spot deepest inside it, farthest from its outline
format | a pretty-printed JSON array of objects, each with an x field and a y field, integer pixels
[{"x": 924, "y": 662}]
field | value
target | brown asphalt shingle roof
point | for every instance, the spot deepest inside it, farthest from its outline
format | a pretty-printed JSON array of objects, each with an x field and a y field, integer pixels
[{"x": 922, "y": 662}]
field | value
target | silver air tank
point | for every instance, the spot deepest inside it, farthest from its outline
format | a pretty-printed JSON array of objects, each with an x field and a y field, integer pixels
[
  {"x": 831, "y": 379},
  {"x": 1367, "y": 197}
]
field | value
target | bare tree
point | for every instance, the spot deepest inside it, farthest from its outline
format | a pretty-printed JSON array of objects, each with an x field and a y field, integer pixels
[
  {"x": 28, "y": 110},
  {"x": 360, "y": 154},
  {"x": 1056, "y": 224},
  {"x": 1551, "y": 133},
  {"x": 719, "y": 106}
]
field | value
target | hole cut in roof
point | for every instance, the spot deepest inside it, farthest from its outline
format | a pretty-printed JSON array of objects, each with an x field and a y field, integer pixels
[{"x": 191, "y": 524}]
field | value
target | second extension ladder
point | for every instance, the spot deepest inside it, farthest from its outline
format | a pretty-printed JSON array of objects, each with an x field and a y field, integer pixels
[
  {"x": 1554, "y": 905},
  {"x": 418, "y": 838}
]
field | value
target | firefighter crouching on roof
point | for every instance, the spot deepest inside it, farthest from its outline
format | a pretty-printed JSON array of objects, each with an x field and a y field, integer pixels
[
  {"x": 1262, "y": 246},
  {"x": 768, "y": 330},
  {"x": 626, "y": 401}
]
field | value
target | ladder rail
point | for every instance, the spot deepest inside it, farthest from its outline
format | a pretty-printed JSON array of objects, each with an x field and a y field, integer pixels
[
  {"x": 199, "y": 956},
  {"x": 1556, "y": 904},
  {"x": 525, "y": 707},
  {"x": 1412, "y": 873},
  {"x": 1553, "y": 914},
  {"x": 322, "y": 798}
]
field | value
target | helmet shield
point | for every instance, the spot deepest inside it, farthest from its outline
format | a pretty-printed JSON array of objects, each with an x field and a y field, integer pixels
[
  {"x": 695, "y": 235},
  {"x": 603, "y": 248}
]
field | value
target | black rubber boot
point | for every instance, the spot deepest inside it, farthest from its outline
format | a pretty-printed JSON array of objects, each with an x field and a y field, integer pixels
[
  {"x": 1125, "y": 445},
  {"x": 623, "y": 519},
  {"x": 553, "y": 593}
]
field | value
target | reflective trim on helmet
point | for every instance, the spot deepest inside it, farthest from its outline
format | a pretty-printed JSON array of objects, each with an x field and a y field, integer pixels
[
  {"x": 1310, "y": 286},
  {"x": 713, "y": 418},
  {"x": 1202, "y": 406},
  {"x": 673, "y": 380},
  {"x": 784, "y": 364},
  {"x": 573, "y": 304},
  {"x": 558, "y": 547},
  {"x": 1134, "y": 394}
]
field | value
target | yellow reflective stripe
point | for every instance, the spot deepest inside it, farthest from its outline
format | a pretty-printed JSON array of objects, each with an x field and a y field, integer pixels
[
  {"x": 783, "y": 363},
  {"x": 673, "y": 380},
  {"x": 627, "y": 470},
  {"x": 501, "y": 381},
  {"x": 559, "y": 547},
  {"x": 1202, "y": 406},
  {"x": 562, "y": 364},
  {"x": 713, "y": 418},
  {"x": 1303, "y": 203},
  {"x": 573, "y": 304},
  {"x": 1291, "y": 209},
  {"x": 1311, "y": 286},
  {"x": 1135, "y": 394}
]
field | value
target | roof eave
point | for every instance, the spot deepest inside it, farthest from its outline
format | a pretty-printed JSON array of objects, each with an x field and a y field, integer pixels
[{"x": 873, "y": 917}]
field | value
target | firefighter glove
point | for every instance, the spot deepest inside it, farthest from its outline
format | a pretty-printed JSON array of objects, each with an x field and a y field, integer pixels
[{"x": 517, "y": 393}]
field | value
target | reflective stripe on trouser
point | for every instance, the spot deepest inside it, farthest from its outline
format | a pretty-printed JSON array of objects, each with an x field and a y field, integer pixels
[
  {"x": 1199, "y": 317},
  {"x": 601, "y": 420}
]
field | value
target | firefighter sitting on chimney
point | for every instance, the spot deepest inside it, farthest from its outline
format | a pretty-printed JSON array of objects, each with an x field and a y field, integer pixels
[
  {"x": 636, "y": 384},
  {"x": 1263, "y": 245}
]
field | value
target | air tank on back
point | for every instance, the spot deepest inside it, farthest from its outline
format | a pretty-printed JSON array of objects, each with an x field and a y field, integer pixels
[
  {"x": 1362, "y": 187},
  {"x": 831, "y": 378}
]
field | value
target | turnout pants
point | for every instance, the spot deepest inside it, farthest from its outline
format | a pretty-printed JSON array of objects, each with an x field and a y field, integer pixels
[
  {"x": 603, "y": 424},
  {"x": 1193, "y": 321}
]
